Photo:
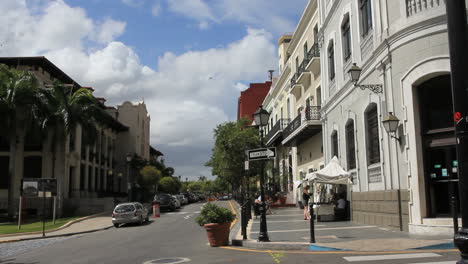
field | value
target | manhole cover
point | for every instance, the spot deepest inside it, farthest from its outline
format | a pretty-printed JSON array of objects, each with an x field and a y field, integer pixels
[{"x": 167, "y": 261}]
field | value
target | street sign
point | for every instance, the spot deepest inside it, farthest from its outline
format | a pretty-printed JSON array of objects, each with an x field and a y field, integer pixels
[
  {"x": 246, "y": 165},
  {"x": 263, "y": 153},
  {"x": 33, "y": 187}
]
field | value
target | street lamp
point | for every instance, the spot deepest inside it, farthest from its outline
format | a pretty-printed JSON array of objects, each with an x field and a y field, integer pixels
[
  {"x": 390, "y": 124},
  {"x": 129, "y": 181},
  {"x": 261, "y": 117},
  {"x": 355, "y": 73}
]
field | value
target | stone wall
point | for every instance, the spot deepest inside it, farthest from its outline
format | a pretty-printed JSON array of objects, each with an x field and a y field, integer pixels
[{"x": 380, "y": 208}]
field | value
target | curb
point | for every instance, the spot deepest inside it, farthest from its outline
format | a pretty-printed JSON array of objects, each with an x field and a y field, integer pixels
[
  {"x": 55, "y": 229},
  {"x": 55, "y": 236}
]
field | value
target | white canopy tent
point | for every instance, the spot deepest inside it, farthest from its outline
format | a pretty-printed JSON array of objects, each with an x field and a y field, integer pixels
[{"x": 333, "y": 173}]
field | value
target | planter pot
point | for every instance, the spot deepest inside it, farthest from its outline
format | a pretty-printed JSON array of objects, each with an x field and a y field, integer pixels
[{"x": 218, "y": 234}]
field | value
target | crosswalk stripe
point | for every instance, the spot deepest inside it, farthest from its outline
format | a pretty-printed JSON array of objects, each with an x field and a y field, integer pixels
[
  {"x": 387, "y": 257},
  {"x": 319, "y": 229},
  {"x": 438, "y": 262}
]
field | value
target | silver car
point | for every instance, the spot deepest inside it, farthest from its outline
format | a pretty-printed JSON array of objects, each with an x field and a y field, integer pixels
[{"x": 126, "y": 213}]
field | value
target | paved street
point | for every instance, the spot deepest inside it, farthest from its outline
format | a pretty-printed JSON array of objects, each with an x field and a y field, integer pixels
[{"x": 177, "y": 235}]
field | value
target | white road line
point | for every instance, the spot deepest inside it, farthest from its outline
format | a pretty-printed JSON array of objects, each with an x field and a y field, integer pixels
[
  {"x": 197, "y": 212},
  {"x": 438, "y": 262},
  {"x": 318, "y": 229},
  {"x": 391, "y": 257},
  {"x": 284, "y": 221},
  {"x": 285, "y": 215}
]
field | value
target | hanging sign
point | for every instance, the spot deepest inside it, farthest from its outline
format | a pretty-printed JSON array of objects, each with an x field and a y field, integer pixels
[
  {"x": 455, "y": 163},
  {"x": 437, "y": 166}
]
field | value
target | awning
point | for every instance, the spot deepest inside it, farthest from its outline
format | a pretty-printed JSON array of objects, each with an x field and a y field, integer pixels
[{"x": 333, "y": 173}]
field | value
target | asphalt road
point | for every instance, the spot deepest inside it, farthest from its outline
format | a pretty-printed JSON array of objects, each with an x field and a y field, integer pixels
[{"x": 174, "y": 235}]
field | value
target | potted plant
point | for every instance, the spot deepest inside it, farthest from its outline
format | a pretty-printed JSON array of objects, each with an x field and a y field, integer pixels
[{"x": 217, "y": 221}]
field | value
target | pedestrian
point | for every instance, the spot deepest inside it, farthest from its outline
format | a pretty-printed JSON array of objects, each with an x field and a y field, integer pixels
[{"x": 305, "y": 198}]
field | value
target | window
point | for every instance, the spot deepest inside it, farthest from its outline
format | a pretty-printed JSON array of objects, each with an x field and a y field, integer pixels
[
  {"x": 319, "y": 96},
  {"x": 331, "y": 61},
  {"x": 350, "y": 145},
  {"x": 346, "y": 37},
  {"x": 334, "y": 144},
  {"x": 365, "y": 10},
  {"x": 289, "y": 109},
  {"x": 372, "y": 126},
  {"x": 297, "y": 64},
  {"x": 315, "y": 34},
  {"x": 305, "y": 50}
]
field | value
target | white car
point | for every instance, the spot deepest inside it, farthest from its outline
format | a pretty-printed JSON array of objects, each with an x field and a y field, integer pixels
[
  {"x": 126, "y": 213},
  {"x": 183, "y": 200},
  {"x": 176, "y": 201}
]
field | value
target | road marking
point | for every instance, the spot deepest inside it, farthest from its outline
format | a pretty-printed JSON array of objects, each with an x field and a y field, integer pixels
[
  {"x": 197, "y": 212},
  {"x": 319, "y": 229},
  {"x": 336, "y": 252},
  {"x": 438, "y": 262},
  {"x": 285, "y": 215},
  {"x": 284, "y": 221},
  {"x": 392, "y": 257},
  {"x": 187, "y": 217}
]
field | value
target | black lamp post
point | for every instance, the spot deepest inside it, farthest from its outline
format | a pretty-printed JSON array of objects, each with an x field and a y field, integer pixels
[
  {"x": 129, "y": 180},
  {"x": 458, "y": 41},
  {"x": 261, "y": 117}
]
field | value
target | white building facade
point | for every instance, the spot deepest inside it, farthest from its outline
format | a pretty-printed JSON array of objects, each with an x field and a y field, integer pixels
[{"x": 402, "y": 45}]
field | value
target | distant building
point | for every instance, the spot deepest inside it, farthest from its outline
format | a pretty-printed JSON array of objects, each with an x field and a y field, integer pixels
[
  {"x": 89, "y": 173},
  {"x": 251, "y": 99}
]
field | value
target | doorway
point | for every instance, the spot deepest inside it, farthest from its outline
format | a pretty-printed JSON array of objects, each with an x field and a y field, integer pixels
[{"x": 437, "y": 132}]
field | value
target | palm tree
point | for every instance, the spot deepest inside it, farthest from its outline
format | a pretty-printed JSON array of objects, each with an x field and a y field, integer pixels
[
  {"x": 66, "y": 106},
  {"x": 18, "y": 110}
]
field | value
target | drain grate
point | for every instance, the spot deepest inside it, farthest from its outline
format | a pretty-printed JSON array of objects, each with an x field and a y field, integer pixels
[{"x": 167, "y": 261}]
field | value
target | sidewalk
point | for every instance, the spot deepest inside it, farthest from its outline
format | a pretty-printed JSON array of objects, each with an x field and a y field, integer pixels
[
  {"x": 79, "y": 226},
  {"x": 288, "y": 230}
]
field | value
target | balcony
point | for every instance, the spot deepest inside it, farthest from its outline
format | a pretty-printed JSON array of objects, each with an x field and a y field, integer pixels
[
  {"x": 296, "y": 87},
  {"x": 276, "y": 132},
  {"x": 313, "y": 60},
  {"x": 304, "y": 126},
  {"x": 414, "y": 7}
]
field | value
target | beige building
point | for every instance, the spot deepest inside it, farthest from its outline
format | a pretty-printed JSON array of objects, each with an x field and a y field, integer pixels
[
  {"x": 89, "y": 175},
  {"x": 294, "y": 102}
]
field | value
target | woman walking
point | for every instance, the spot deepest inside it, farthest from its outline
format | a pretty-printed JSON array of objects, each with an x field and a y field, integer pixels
[{"x": 305, "y": 198}]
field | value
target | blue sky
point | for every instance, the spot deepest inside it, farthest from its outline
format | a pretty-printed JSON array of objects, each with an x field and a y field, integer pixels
[{"x": 188, "y": 59}]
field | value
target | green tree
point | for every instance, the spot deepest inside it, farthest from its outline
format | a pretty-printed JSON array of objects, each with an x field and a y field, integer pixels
[
  {"x": 168, "y": 185},
  {"x": 63, "y": 108},
  {"x": 19, "y": 109},
  {"x": 195, "y": 187},
  {"x": 149, "y": 178},
  {"x": 232, "y": 139}
]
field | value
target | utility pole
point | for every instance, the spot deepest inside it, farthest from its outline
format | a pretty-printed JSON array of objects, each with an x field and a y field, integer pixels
[{"x": 457, "y": 33}]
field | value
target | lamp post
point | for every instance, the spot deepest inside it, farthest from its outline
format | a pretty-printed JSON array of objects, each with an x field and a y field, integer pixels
[
  {"x": 390, "y": 124},
  {"x": 355, "y": 73},
  {"x": 129, "y": 180},
  {"x": 261, "y": 117},
  {"x": 458, "y": 41}
]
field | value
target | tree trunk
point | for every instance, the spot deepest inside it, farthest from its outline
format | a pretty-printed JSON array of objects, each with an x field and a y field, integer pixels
[{"x": 11, "y": 174}]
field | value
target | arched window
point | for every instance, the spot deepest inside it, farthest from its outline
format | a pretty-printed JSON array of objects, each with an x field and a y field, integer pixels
[
  {"x": 334, "y": 144},
  {"x": 350, "y": 145},
  {"x": 365, "y": 10},
  {"x": 346, "y": 38},
  {"x": 372, "y": 134}
]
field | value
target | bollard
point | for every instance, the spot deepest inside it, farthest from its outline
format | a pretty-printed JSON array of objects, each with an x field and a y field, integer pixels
[
  {"x": 244, "y": 222},
  {"x": 156, "y": 210},
  {"x": 312, "y": 227}
]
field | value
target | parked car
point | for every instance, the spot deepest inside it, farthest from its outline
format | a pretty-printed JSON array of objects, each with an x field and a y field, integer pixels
[
  {"x": 183, "y": 200},
  {"x": 176, "y": 201},
  {"x": 166, "y": 202},
  {"x": 126, "y": 213},
  {"x": 192, "y": 198}
]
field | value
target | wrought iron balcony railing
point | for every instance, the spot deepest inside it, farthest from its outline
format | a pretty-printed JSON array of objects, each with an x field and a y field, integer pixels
[
  {"x": 311, "y": 113},
  {"x": 278, "y": 127}
]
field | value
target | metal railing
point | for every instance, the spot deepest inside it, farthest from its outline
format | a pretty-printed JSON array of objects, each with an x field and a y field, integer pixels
[
  {"x": 279, "y": 126},
  {"x": 311, "y": 113},
  {"x": 416, "y": 6},
  {"x": 294, "y": 79},
  {"x": 314, "y": 52}
]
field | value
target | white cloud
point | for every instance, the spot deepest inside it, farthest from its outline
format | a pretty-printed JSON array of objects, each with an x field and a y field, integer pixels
[
  {"x": 271, "y": 15},
  {"x": 133, "y": 3},
  {"x": 156, "y": 9},
  {"x": 188, "y": 94},
  {"x": 109, "y": 30},
  {"x": 240, "y": 86}
]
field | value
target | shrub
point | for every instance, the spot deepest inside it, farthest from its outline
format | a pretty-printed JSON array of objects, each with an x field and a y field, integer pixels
[{"x": 211, "y": 213}]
